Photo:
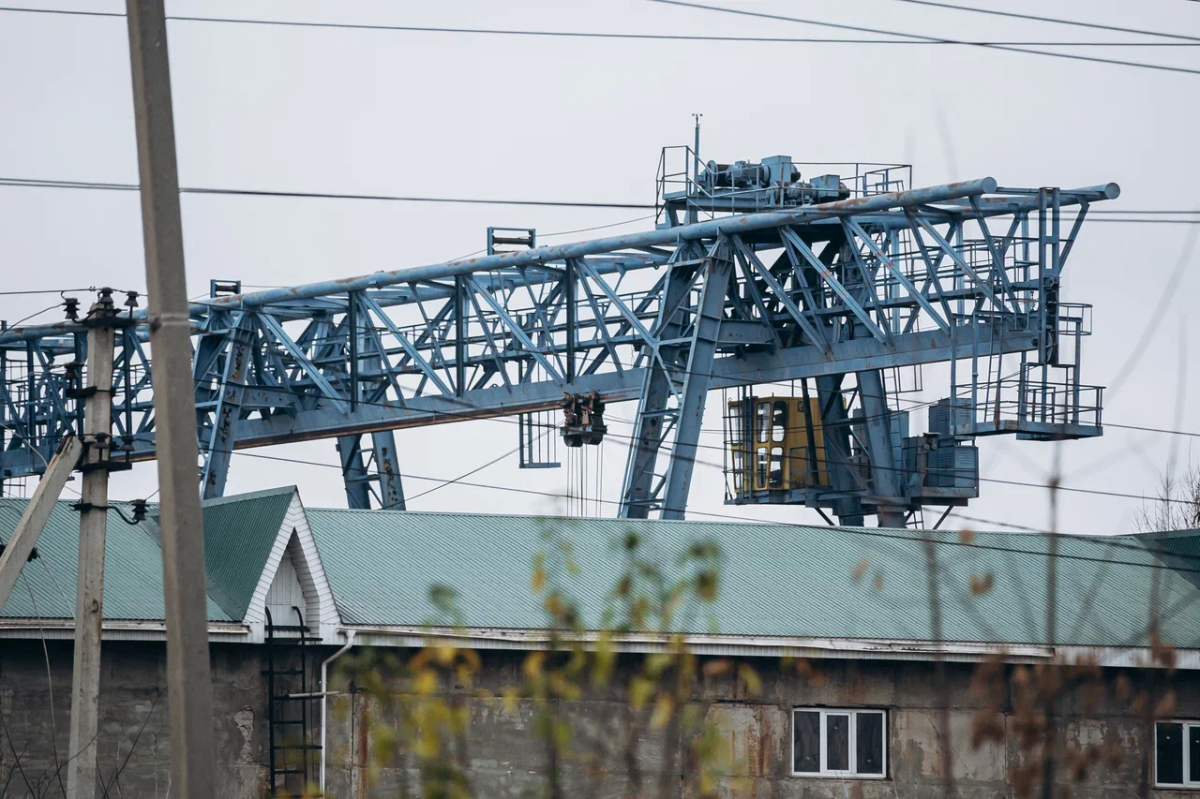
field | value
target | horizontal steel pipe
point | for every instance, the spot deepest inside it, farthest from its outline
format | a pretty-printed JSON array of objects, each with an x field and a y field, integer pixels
[
  {"x": 561, "y": 252},
  {"x": 794, "y": 363},
  {"x": 947, "y": 193},
  {"x": 463, "y": 266}
]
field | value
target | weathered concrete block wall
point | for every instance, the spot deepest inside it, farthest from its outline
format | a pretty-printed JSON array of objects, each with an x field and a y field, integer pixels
[
  {"x": 504, "y": 756},
  {"x": 134, "y": 737}
]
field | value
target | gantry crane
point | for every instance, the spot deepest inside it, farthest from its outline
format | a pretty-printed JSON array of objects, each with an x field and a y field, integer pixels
[{"x": 756, "y": 273}]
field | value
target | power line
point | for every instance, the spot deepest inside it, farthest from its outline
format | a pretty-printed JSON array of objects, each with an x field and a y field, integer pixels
[
  {"x": 38, "y": 183},
  {"x": 595, "y": 34},
  {"x": 60, "y": 12},
  {"x": 1154, "y": 429},
  {"x": 914, "y": 404},
  {"x": 44, "y": 291},
  {"x": 862, "y": 29},
  {"x": 1164, "y": 302},
  {"x": 467, "y": 415},
  {"x": 471, "y": 415},
  {"x": 476, "y": 470},
  {"x": 1153, "y": 221},
  {"x": 596, "y": 227},
  {"x": 78, "y": 184},
  {"x": 1055, "y": 20},
  {"x": 865, "y": 532},
  {"x": 394, "y": 198}
]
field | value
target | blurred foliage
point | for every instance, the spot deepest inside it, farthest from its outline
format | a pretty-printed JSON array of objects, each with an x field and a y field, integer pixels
[{"x": 421, "y": 704}]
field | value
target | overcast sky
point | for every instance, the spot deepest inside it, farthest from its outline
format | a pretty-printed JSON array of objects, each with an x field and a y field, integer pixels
[{"x": 419, "y": 113}]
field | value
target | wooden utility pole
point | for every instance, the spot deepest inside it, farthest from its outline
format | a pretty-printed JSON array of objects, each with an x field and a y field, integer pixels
[
  {"x": 93, "y": 526},
  {"x": 189, "y": 681}
]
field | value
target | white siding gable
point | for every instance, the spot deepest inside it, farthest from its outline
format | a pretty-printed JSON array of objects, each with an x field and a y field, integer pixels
[{"x": 293, "y": 577}]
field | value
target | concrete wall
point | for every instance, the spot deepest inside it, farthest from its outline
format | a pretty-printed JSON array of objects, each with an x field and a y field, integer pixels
[
  {"x": 501, "y": 750},
  {"x": 504, "y": 757},
  {"x": 134, "y": 737}
]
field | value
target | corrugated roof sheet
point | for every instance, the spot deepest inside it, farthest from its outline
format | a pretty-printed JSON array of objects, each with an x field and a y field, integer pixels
[
  {"x": 132, "y": 568},
  {"x": 239, "y": 532},
  {"x": 776, "y": 580}
]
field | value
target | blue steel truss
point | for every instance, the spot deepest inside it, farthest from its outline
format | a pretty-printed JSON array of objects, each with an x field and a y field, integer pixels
[{"x": 708, "y": 300}]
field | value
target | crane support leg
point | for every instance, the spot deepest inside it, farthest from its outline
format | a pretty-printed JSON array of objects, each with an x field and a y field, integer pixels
[
  {"x": 654, "y": 417},
  {"x": 837, "y": 450},
  {"x": 229, "y": 409},
  {"x": 695, "y": 387},
  {"x": 354, "y": 471},
  {"x": 675, "y": 389},
  {"x": 379, "y": 465},
  {"x": 879, "y": 440},
  {"x": 19, "y": 547},
  {"x": 391, "y": 489}
]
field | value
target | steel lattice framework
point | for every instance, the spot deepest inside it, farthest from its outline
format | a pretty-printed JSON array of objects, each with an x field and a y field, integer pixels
[{"x": 857, "y": 285}]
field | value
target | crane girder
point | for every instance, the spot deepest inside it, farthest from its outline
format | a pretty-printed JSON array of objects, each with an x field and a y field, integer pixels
[{"x": 867, "y": 283}]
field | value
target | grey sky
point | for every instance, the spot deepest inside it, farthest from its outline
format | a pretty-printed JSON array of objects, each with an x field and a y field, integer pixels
[{"x": 491, "y": 116}]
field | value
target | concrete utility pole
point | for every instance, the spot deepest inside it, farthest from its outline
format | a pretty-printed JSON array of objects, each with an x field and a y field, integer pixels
[
  {"x": 93, "y": 526},
  {"x": 189, "y": 681}
]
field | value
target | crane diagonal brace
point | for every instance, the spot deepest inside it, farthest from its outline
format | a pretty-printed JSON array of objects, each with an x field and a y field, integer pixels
[{"x": 512, "y": 332}]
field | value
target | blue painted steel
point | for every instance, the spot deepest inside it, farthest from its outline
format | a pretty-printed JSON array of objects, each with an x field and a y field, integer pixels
[{"x": 822, "y": 290}]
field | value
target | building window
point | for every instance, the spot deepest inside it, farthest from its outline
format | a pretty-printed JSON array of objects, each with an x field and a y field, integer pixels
[
  {"x": 840, "y": 743},
  {"x": 1177, "y": 754}
]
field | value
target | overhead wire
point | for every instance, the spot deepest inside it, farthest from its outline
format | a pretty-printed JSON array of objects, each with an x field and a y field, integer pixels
[
  {"x": 378, "y": 329},
  {"x": 1153, "y": 429},
  {"x": 476, "y": 470},
  {"x": 1069, "y": 489},
  {"x": 19, "y": 322},
  {"x": 40, "y": 183},
  {"x": 915, "y": 404},
  {"x": 468, "y": 415},
  {"x": 472, "y": 415},
  {"x": 863, "y": 29},
  {"x": 1164, "y": 301},
  {"x": 590, "y": 205},
  {"x": 866, "y": 532},
  {"x": 1054, "y": 20},
  {"x": 526, "y": 32},
  {"x": 44, "y": 291}
]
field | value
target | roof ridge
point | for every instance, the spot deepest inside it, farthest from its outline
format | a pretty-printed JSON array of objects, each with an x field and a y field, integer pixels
[{"x": 265, "y": 492}]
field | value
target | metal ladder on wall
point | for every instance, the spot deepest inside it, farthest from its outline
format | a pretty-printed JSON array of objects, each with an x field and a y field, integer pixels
[{"x": 289, "y": 742}]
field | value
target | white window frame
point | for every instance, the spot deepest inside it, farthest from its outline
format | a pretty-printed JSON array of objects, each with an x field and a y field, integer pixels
[
  {"x": 853, "y": 714},
  {"x": 1188, "y": 725}
]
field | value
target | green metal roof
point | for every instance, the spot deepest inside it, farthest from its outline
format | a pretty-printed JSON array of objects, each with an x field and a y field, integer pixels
[
  {"x": 239, "y": 532},
  {"x": 132, "y": 568},
  {"x": 776, "y": 580}
]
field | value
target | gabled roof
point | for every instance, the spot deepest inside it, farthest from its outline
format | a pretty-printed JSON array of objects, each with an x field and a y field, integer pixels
[
  {"x": 133, "y": 586},
  {"x": 776, "y": 580},
  {"x": 239, "y": 534}
]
